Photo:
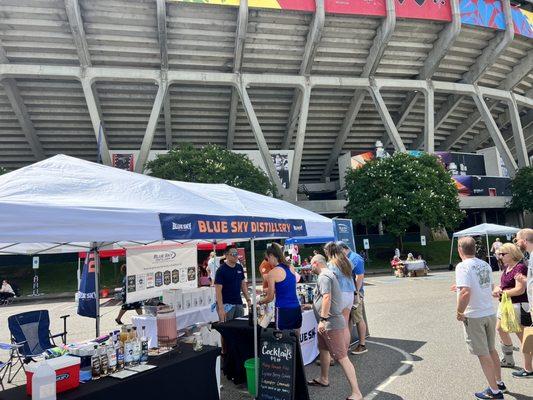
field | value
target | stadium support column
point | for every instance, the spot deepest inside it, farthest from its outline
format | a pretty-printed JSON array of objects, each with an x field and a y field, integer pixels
[
  {"x": 299, "y": 145},
  {"x": 96, "y": 119},
  {"x": 152, "y": 123},
  {"x": 384, "y": 114},
  {"x": 163, "y": 51},
  {"x": 381, "y": 40},
  {"x": 311, "y": 46},
  {"x": 518, "y": 133},
  {"x": 240, "y": 38},
  {"x": 260, "y": 139},
  {"x": 495, "y": 133},
  {"x": 429, "y": 120}
]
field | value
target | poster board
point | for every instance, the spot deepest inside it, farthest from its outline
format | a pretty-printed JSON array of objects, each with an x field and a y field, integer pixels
[
  {"x": 152, "y": 269},
  {"x": 343, "y": 230}
]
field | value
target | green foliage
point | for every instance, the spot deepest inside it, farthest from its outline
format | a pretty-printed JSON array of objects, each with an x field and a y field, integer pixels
[
  {"x": 211, "y": 164},
  {"x": 3, "y": 171},
  {"x": 522, "y": 190},
  {"x": 401, "y": 191}
]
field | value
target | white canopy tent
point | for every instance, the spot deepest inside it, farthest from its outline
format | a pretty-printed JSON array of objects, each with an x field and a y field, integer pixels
[
  {"x": 484, "y": 230},
  {"x": 75, "y": 204}
]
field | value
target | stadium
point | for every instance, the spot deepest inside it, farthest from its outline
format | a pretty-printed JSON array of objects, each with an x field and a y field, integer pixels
[{"x": 298, "y": 82}]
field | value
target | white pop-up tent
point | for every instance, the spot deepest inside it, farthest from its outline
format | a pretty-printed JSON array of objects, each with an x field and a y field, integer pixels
[
  {"x": 484, "y": 230},
  {"x": 64, "y": 201}
]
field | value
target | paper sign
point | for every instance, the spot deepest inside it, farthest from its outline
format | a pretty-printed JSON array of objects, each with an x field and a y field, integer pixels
[
  {"x": 423, "y": 240},
  {"x": 366, "y": 244},
  {"x": 35, "y": 263}
]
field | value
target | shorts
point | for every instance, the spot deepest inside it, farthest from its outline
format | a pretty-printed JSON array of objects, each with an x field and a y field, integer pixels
[
  {"x": 516, "y": 307},
  {"x": 347, "y": 300},
  {"x": 288, "y": 318},
  {"x": 358, "y": 313},
  {"x": 333, "y": 341},
  {"x": 480, "y": 335},
  {"x": 237, "y": 311}
]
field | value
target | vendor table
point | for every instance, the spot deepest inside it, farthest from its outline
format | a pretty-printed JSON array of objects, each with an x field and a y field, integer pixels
[
  {"x": 181, "y": 371},
  {"x": 415, "y": 265},
  {"x": 184, "y": 318}
]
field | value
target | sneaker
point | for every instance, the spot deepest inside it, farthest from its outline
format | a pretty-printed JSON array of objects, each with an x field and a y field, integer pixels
[
  {"x": 360, "y": 349},
  {"x": 522, "y": 374},
  {"x": 505, "y": 364},
  {"x": 487, "y": 394},
  {"x": 502, "y": 387}
]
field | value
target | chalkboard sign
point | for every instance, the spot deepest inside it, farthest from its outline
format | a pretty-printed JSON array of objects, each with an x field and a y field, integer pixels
[{"x": 281, "y": 370}]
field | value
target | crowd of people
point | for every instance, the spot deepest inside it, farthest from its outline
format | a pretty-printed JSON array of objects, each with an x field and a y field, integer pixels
[
  {"x": 337, "y": 301},
  {"x": 475, "y": 292}
]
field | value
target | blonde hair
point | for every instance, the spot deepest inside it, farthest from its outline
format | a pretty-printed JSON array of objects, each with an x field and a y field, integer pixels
[
  {"x": 513, "y": 250},
  {"x": 525, "y": 234}
]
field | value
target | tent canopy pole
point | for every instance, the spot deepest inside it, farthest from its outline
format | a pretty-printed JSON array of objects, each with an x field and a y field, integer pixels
[
  {"x": 94, "y": 245},
  {"x": 451, "y": 251}
]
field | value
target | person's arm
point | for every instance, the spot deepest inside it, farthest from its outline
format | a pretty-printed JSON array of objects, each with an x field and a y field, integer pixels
[
  {"x": 326, "y": 305},
  {"x": 519, "y": 289},
  {"x": 462, "y": 302},
  {"x": 271, "y": 289},
  {"x": 244, "y": 289},
  {"x": 359, "y": 282},
  {"x": 220, "y": 303}
]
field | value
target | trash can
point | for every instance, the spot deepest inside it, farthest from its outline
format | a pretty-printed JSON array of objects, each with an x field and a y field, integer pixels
[{"x": 249, "y": 365}]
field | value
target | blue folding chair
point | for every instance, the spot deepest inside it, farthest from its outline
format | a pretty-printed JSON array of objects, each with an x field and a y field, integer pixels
[
  {"x": 3, "y": 365},
  {"x": 31, "y": 336}
]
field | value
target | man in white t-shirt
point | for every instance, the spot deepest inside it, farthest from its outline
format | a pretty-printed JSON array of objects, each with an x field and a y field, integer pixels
[{"x": 475, "y": 309}]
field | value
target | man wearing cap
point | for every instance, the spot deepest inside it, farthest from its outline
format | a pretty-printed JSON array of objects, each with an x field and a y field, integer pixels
[
  {"x": 229, "y": 283},
  {"x": 358, "y": 271}
]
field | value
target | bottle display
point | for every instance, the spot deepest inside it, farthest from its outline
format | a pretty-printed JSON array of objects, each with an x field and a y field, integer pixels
[
  {"x": 112, "y": 354},
  {"x": 136, "y": 347},
  {"x": 119, "y": 348}
]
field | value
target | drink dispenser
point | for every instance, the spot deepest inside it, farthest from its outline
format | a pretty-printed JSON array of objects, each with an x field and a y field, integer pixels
[{"x": 167, "y": 330}]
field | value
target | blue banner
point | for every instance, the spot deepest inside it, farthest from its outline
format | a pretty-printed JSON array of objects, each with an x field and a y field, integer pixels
[
  {"x": 87, "y": 291},
  {"x": 177, "y": 226},
  {"x": 343, "y": 230}
]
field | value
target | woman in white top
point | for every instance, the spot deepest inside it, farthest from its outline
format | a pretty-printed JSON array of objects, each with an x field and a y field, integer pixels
[{"x": 6, "y": 291}]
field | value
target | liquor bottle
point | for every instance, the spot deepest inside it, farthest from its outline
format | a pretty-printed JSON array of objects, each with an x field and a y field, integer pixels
[
  {"x": 128, "y": 350},
  {"x": 95, "y": 364},
  {"x": 119, "y": 348},
  {"x": 136, "y": 347},
  {"x": 104, "y": 365},
  {"x": 112, "y": 354},
  {"x": 144, "y": 347}
]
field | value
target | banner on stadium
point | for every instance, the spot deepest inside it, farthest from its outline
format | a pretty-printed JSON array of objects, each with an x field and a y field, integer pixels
[{"x": 152, "y": 269}]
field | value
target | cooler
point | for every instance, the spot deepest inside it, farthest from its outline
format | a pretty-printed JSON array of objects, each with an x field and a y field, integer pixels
[{"x": 67, "y": 373}]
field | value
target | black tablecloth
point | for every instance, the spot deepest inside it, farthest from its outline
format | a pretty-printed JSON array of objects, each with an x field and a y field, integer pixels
[
  {"x": 238, "y": 338},
  {"x": 180, "y": 374}
]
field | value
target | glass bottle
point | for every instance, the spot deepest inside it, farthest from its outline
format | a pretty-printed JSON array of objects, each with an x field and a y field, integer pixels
[
  {"x": 144, "y": 347},
  {"x": 136, "y": 347},
  {"x": 95, "y": 364},
  {"x": 112, "y": 354},
  {"x": 128, "y": 350},
  {"x": 119, "y": 348}
]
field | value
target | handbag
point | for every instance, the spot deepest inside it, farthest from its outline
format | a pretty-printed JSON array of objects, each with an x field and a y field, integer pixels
[
  {"x": 525, "y": 317},
  {"x": 527, "y": 340}
]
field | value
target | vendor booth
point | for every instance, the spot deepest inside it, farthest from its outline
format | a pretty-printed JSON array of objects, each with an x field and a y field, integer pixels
[
  {"x": 484, "y": 230},
  {"x": 67, "y": 204}
]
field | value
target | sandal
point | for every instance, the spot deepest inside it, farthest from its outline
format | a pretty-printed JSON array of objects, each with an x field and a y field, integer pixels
[{"x": 316, "y": 382}]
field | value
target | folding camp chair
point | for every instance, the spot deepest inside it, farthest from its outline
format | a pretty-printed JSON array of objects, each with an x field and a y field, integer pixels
[
  {"x": 30, "y": 337},
  {"x": 3, "y": 366}
]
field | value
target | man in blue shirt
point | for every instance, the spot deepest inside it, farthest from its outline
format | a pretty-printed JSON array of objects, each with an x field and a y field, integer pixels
[
  {"x": 358, "y": 272},
  {"x": 229, "y": 282}
]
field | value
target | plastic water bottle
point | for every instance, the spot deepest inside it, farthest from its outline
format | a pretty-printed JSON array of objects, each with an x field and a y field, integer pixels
[{"x": 43, "y": 383}]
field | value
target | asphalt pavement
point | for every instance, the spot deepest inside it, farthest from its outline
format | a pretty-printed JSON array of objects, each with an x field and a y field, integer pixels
[{"x": 416, "y": 347}]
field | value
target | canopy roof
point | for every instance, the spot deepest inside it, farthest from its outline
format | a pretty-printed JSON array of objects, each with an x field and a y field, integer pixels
[
  {"x": 487, "y": 229},
  {"x": 68, "y": 200}
]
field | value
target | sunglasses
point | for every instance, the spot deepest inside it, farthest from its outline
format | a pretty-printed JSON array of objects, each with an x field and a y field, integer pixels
[{"x": 233, "y": 253}]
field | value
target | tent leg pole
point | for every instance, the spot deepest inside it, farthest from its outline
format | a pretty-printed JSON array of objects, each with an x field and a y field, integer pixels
[
  {"x": 488, "y": 250},
  {"x": 254, "y": 308},
  {"x": 451, "y": 251},
  {"x": 97, "y": 286}
]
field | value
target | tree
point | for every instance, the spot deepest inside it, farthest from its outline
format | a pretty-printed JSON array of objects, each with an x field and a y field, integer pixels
[
  {"x": 401, "y": 191},
  {"x": 522, "y": 190},
  {"x": 3, "y": 171},
  {"x": 211, "y": 164}
]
